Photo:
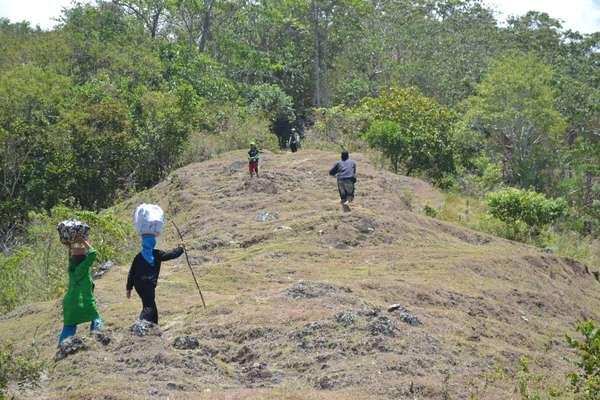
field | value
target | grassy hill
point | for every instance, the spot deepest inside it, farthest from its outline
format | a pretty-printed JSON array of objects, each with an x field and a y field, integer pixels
[{"x": 298, "y": 295}]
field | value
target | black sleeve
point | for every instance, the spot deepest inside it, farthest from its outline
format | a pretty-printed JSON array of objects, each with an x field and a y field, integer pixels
[
  {"x": 354, "y": 165},
  {"x": 335, "y": 169},
  {"x": 131, "y": 275},
  {"x": 169, "y": 255}
]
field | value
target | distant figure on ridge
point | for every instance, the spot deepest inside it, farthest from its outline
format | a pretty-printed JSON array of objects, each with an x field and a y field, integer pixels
[
  {"x": 79, "y": 303},
  {"x": 294, "y": 141},
  {"x": 145, "y": 268},
  {"x": 345, "y": 171},
  {"x": 253, "y": 157}
]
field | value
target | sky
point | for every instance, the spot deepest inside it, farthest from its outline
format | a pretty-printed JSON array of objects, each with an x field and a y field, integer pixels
[{"x": 581, "y": 15}]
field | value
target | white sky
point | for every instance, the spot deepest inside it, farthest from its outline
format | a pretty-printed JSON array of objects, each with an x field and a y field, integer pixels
[{"x": 581, "y": 15}]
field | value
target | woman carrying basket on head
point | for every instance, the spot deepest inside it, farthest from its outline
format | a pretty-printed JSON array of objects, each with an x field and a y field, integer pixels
[{"x": 79, "y": 303}]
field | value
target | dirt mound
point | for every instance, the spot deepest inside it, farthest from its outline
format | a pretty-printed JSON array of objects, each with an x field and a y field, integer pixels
[{"x": 305, "y": 301}]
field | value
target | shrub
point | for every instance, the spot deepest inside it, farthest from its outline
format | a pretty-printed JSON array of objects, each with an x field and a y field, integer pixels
[
  {"x": 430, "y": 211},
  {"x": 387, "y": 136},
  {"x": 36, "y": 270},
  {"x": 532, "y": 208},
  {"x": 270, "y": 100},
  {"x": 338, "y": 127},
  {"x": 420, "y": 140},
  {"x": 586, "y": 382}
]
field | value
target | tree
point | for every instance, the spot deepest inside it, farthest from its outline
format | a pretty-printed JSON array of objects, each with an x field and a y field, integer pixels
[
  {"x": 195, "y": 18},
  {"x": 148, "y": 12},
  {"x": 415, "y": 131},
  {"x": 34, "y": 156},
  {"x": 514, "y": 109}
]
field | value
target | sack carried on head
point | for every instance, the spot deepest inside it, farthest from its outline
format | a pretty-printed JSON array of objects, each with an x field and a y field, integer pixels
[
  {"x": 72, "y": 231},
  {"x": 148, "y": 219}
]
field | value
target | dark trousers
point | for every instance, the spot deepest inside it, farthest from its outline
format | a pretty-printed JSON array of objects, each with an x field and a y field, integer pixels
[
  {"x": 346, "y": 189},
  {"x": 146, "y": 292}
]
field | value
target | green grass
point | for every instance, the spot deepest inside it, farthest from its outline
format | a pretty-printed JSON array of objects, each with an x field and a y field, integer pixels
[{"x": 472, "y": 213}]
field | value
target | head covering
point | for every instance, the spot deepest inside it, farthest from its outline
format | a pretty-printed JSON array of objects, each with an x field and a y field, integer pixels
[
  {"x": 345, "y": 155},
  {"x": 253, "y": 143},
  {"x": 148, "y": 244}
]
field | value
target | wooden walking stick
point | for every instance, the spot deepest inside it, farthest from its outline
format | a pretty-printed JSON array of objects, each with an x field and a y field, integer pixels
[{"x": 189, "y": 264}]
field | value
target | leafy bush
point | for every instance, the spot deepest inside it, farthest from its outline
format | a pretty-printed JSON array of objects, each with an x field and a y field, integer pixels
[
  {"x": 415, "y": 131},
  {"x": 36, "y": 270},
  {"x": 485, "y": 176},
  {"x": 386, "y": 136},
  {"x": 338, "y": 127},
  {"x": 271, "y": 100},
  {"x": 586, "y": 382},
  {"x": 430, "y": 211},
  {"x": 532, "y": 208}
]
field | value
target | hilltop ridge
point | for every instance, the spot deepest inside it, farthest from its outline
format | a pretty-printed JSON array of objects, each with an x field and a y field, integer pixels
[{"x": 299, "y": 296}]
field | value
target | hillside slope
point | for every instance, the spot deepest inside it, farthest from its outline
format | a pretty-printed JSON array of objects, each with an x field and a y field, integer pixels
[{"x": 297, "y": 303}]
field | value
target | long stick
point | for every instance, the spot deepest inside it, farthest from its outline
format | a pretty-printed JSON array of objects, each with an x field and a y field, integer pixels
[{"x": 189, "y": 264}]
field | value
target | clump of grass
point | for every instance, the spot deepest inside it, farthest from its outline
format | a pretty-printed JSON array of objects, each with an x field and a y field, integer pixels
[{"x": 14, "y": 367}]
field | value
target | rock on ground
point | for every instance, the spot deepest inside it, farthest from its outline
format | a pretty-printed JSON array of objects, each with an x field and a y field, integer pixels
[
  {"x": 144, "y": 328},
  {"x": 70, "y": 346}
]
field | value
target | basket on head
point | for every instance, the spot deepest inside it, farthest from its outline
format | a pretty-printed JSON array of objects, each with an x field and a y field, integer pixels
[
  {"x": 149, "y": 219},
  {"x": 72, "y": 231}
]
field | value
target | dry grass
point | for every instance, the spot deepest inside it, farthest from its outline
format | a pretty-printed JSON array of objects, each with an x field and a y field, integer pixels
[{"x": 484, "y": 302}]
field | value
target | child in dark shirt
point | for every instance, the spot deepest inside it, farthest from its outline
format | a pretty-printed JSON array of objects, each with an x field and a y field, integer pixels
[{"x": 253, "y": 157}]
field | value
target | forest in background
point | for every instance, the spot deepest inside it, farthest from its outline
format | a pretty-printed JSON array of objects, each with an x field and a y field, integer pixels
[{"x": 504, "y": 117}]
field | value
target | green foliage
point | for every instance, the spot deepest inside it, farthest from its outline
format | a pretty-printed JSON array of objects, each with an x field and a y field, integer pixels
[
  {"x": 586, "y": 382},
  {"x": 412, "y": 130},
  {"x": 25, "y": 366},
  {"x": 271, "y": 100},
  {"x": 430, "y": 211},
  {"x": 338, "y": 127},
  {"x": 387, "y": 136},
  {"x": 34, "y": 168},
  {"x": 161, "y": 131},
  {"x": 485, "y": 176},
  {"x": 534, "y": 386},
  {"x": 514, "y": 109},
  {"x": 527, "y": 206},
  {"x": 37, "y": 269},
  {"x": 237, "y": 128}
]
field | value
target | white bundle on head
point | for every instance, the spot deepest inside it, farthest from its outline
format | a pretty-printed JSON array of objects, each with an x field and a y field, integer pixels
[
  {"x": 149, "y": 219},
  {"x": 72, "y": 231}
]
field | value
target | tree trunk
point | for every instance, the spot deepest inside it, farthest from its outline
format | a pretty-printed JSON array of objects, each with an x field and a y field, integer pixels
[
  {"x": 317, "y": 65},
  {"x": 208, "y": 4},
  {"x": 154, "y": 23}
]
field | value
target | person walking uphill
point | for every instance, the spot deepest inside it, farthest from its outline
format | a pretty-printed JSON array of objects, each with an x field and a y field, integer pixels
[
  {"x": 79, "y": 303},
  {"x": 345, "y": 171},
  {"x": 253, "y": 157},
  {"x": 143, "y": 275}
]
